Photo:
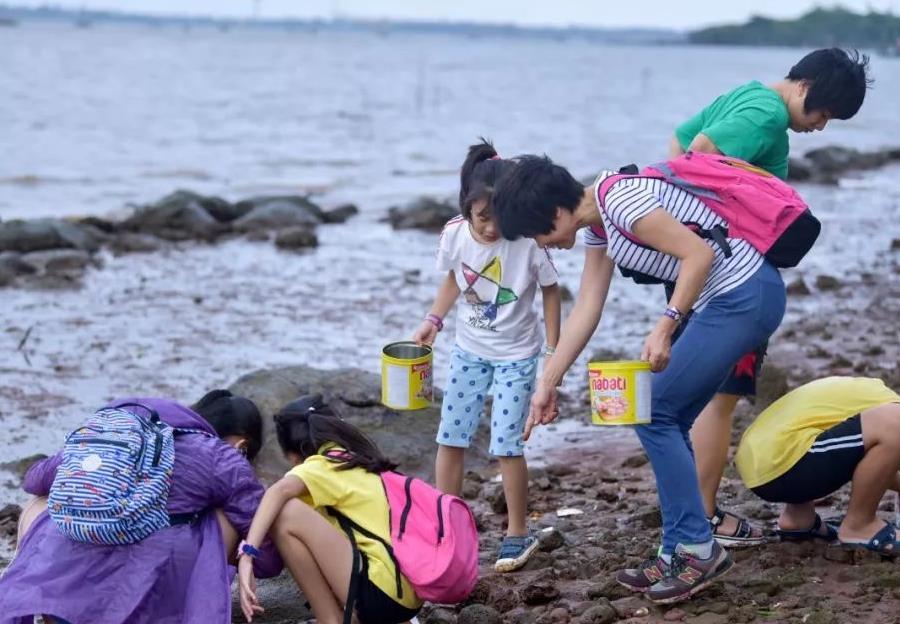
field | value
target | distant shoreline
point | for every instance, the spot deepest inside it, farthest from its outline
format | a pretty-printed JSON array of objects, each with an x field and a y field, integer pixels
[{"x": 89, "y": 18}]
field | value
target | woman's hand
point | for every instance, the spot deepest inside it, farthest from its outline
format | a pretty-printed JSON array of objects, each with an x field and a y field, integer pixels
[
  {"x": 658, "y": 345},
  {"x": 247, "y": 585},
  {"x": 543, "y": 409},
  {"x": 425, "y": 334}
]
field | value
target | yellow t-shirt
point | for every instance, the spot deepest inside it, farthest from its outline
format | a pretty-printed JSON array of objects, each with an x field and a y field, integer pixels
[
  {"x": 359, "y": 495},
  {"x": 786, "y": 430}
]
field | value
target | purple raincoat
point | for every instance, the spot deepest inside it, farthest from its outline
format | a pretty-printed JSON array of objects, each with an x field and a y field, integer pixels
[{"x": 176, "y": 575}]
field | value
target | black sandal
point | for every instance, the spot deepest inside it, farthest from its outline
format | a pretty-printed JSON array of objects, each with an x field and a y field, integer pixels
[
  {"x": 810, "y": 534},
  {"x": 742, "y": 537}
]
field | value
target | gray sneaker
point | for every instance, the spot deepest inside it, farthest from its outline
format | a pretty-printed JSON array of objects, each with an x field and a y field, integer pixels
[
  {"x": 514, "y": 552},
  {"x": 643, "y": 577},
  {"x": 689, "y": 574}
]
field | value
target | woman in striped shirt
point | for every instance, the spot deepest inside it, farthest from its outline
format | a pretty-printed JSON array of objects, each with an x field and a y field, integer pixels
[{"x": 644, "y": 226}]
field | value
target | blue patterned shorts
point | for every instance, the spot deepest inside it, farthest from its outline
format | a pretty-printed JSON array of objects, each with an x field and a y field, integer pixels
[{"x": 472, "y": 378}]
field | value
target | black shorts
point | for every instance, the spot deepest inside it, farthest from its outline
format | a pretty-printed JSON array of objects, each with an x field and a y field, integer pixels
[
  {"x": 373, "y": 606},
  {"x": 828, "y": 465},
  {"x": 742, "y": 377}
]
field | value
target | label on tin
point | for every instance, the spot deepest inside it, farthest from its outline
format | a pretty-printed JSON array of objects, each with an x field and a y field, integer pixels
[
  {"x": 397, "y": 385},
  {"x": 422, "y": 372},
  {"x": 619, "y": 397}
]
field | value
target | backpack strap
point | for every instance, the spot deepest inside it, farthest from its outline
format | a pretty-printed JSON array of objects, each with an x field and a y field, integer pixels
[
  {"x": 154, "y": 415},
  {"x": 349, "y": 526},
  {"x": 360, "y": 565},
  {"x": 155, "y": 422},
  {"x": 717, "y": 234}
]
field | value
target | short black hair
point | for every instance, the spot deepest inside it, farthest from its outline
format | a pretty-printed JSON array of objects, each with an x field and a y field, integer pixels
[
  {"x": 478, "y": 175},
  {"x": 232, "y": 415},
  {"x": 837, "y": 79},
  {"x": 526, "y": 197}
]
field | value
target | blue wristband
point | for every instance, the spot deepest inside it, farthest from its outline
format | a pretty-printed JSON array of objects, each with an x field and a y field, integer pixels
[{"x": 247, "y": 549}]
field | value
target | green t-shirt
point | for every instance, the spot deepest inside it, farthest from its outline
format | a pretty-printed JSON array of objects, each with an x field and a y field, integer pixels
[{"x": 749, "y": 122}]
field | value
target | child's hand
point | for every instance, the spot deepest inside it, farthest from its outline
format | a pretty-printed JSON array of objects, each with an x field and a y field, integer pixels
[
  {"x": 247, "y": 585},
  {"x": 426, "y": 333}
]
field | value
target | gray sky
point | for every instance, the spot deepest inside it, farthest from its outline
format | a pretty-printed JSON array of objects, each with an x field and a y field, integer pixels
[{"x": 658, "y": 13}]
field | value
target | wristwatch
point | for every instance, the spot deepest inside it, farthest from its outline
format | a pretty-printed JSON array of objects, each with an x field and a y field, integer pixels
[{"x": 674, "y": 313}]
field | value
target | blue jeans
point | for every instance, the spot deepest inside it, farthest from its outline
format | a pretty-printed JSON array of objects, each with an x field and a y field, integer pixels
[{"x": 714, "y": 339}]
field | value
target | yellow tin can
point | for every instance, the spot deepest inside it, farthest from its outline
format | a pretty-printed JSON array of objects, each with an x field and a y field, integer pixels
[
  {"x": 406, "y": 376},
  {"x": 620, "y": 392}
]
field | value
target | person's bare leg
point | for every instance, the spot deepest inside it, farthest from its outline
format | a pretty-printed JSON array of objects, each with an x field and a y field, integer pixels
[
  {"x": 448, "y": 469},
  {"x": 711, "y": 438},
  {"x": 230, "y": 537},
  {"x": 798, "y": 517},
  {"x": 514, "y": 471},
  {"x": 318, "y": 556},
  {"x": 874, "y": 474},
  {"x": 33, "y": 508}
]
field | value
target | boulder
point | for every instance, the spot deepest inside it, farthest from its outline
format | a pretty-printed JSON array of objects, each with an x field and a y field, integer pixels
[
  {"x": 181, "y": 215},
  {"x": 424, "y": 213},
  {"x": 103, "y": 225},
  {"x": 7, "y": 276},
  {"x": 827, "y": 282},
  {"x": 59, "y": 262},
  {"x": 134, "y": 242},
  {"x": 9, "y": 520},
  {"x": 20, "y": 466},
  {"x": 799, "y": 170},
  {"x": 798, "y": 287},
  {"x": 405, "y": 437},
  {"x": 341, "y": 213},
  {"x": 277, "y": 212},
  {"x": 837, "y": 159},
  {"x": 14, "y": 263},
  {"x": 41, "y": 234},
  {"x": 83, "y": 237},
  {"x": 297, "y": 237}
]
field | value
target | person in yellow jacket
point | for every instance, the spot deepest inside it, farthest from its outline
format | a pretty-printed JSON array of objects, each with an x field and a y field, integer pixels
[{"x": 814, "y": 440}]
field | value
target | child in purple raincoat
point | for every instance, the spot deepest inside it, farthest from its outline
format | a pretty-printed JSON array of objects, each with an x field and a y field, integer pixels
[{"x": 179, "y": 574}]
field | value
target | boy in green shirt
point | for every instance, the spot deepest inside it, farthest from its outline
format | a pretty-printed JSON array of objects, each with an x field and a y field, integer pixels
[{"x": 751, "y": 123}]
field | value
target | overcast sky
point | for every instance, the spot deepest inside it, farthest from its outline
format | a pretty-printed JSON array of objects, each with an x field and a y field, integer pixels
[{"x": 679, "y": 14}]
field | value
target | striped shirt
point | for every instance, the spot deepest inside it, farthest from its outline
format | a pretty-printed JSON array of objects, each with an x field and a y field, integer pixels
[{"x": 630, "y": 199}]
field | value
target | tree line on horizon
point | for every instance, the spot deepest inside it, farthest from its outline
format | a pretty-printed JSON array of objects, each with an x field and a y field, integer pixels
[{"x": 819, "y": 27}]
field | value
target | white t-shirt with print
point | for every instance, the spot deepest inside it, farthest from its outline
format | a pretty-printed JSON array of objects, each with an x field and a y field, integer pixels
[{"x": 496, "y": 318}]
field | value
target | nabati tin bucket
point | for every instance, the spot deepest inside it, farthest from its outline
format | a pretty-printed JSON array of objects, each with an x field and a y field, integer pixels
[
  {"x": 406, "y": 376},
  {"x": 620, "y": 392}
]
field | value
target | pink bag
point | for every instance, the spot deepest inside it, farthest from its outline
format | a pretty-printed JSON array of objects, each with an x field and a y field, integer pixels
[
  {"x": 758, "y": 207},
  {"x": 434, "y": 542},
  {"x": 434, "y": 539}
]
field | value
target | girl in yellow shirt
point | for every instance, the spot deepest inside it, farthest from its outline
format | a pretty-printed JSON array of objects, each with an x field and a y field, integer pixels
[{"x": 335, "y": 467}]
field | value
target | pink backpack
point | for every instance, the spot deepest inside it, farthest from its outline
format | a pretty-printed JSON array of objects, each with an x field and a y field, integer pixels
[
  {"x": 434, "y": 542},
  {"x": 757, "y": 206}
]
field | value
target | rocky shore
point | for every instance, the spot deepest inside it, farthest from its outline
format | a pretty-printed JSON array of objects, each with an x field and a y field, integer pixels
[
  {"x": 56, "y": 252},
  {"x": 53, "y": 253}
]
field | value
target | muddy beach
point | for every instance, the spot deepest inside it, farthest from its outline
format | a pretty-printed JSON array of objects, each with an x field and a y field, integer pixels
[{"x": 844, "y": 324}]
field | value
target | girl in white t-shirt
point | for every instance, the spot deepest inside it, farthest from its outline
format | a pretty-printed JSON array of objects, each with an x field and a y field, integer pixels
[{"x": 498, "y": 341}]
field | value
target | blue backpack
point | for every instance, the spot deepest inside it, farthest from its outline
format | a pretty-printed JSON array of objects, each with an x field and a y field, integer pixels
[{"x": 113, "y": 483}]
